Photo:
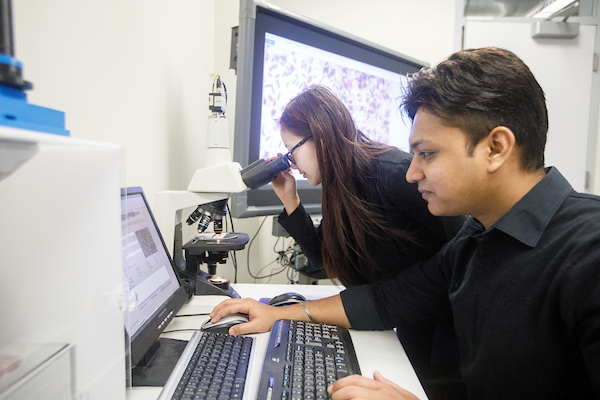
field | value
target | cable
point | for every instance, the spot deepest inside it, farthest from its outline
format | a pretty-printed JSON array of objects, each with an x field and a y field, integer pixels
[
  {"x": 286, "y": 258},
  {"x": 230, "y": 218},
  {"x": 235, "y": 269},
  {"x": 292, "y": 271},
  {"x": 282, "y": 259},
  {"x": 224, "y": 88},
  {"x": 250, "y": 246},
  {"x": 272, "y": 274},
  {"x": 233, "y": 253}
]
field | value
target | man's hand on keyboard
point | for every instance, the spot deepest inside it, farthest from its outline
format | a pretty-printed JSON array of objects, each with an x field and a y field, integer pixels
[
  {"x": 359, "y": 387},
  {"x": 261, "y": 315}
]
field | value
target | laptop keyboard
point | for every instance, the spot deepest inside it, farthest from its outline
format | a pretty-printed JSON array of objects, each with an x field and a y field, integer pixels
[
  {"x": 217, "y": 369},
  {"x": 303, "y": 359}
]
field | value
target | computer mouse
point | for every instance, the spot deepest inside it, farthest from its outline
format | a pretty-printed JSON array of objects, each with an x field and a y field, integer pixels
[
  {"x": 286, "y": 299},
  {"x": 226, "y": 322}
]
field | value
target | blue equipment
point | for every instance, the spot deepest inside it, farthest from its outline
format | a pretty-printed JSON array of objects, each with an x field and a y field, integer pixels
[{"x": 14, "y": 109}]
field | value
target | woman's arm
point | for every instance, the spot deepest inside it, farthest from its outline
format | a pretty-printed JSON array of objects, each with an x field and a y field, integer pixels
[
  {"x": 301, "y": 226},
  {"x": 285, "y": 188}
]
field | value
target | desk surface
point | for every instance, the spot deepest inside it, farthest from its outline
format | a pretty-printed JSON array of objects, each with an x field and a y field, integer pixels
[{"x": 376, "y": 350}]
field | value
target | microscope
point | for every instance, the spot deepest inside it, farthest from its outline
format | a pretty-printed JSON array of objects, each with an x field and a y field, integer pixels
[{"x": 208, "y": 191}]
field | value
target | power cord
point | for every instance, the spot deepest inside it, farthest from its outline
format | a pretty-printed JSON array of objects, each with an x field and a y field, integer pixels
[
  {"x": 250, "y": 246},
  {"x": 284, "y": 258},
  {"x": 233, "y": 252}
]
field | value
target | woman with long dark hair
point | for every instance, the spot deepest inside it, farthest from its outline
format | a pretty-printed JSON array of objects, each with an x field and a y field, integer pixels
[{"x": 375, "y": 224}]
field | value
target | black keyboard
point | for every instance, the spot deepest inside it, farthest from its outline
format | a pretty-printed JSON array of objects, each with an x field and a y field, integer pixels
[
  {"x": 303, "y": 359},
  {"x": 217, "y": 369}
]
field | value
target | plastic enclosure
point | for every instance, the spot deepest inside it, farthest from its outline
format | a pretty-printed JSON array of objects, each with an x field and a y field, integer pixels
[{"x": 61, "y": 278}]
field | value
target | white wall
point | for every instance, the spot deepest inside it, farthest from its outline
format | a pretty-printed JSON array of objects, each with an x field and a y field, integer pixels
[
  {"x": 420, "y": 29},
  {"x": 135, "y": 73},
  {"x": 129, "y": 72}
]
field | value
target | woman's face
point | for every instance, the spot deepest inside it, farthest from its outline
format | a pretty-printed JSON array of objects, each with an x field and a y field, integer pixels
[{"x": 305, "y": 156}]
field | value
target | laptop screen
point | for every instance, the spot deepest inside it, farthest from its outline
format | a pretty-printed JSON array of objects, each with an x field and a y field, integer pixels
[{"x": 148, "y": 273}]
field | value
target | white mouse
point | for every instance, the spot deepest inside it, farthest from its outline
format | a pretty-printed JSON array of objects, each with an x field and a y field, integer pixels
[{"x": 226, "y": 322}]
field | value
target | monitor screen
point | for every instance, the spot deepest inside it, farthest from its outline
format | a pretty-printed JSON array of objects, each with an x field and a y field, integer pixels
[
  {"x": 148, "y": 274},
  {"x": 280, "y": 54}
]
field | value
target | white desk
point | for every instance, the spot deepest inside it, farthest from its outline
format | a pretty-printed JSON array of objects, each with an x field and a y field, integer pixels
[{"x": 376, "y": 350}]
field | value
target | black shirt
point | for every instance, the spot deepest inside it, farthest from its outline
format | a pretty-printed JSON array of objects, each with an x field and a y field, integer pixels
[
  {"x": 525, "y": 295},
  {"x": 399, "y": 201}
]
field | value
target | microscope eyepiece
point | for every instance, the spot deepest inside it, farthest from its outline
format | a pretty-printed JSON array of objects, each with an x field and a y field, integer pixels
[{"x": 260, "y": 172}]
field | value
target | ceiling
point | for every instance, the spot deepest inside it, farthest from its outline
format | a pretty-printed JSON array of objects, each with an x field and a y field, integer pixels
[
  {"x": 498, "y": 8},
  {"x": 509, "y": 8}
]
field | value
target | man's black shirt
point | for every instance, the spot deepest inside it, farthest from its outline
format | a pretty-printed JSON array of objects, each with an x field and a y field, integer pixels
[{"x": 525, "y": 295}]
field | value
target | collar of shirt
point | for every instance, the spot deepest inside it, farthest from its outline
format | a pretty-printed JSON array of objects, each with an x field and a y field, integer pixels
[{"x": 527, "y": 219}]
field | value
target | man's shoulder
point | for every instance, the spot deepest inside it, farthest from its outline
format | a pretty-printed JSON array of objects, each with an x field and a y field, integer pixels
[
  {"x": 583, "y": 203},
  {"x": 586, "y": 197},
  {"x": 566, "y": 207},
  {"x": 580, "y": 212}
]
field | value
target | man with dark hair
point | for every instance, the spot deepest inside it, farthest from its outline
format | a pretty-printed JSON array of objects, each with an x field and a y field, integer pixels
[
  {"x": 523, "y": 275},
  {"x": 498, "y": 90}
]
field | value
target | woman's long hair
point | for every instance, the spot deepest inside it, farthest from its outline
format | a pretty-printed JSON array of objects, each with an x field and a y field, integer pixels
[{"x": 345, "y": 157}]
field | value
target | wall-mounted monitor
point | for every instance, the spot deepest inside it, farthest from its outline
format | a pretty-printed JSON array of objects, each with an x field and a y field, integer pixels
[{"x": 280, "y": 54}]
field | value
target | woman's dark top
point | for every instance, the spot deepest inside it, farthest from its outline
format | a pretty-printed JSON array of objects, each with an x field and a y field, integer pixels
[{"x": 400, "y": 201}]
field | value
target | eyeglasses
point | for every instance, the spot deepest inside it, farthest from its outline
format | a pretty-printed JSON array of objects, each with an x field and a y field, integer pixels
[{"x": 288, "y": 155}]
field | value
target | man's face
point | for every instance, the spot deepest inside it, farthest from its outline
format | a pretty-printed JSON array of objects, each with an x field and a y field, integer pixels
[{"x": 449, "y": 179}]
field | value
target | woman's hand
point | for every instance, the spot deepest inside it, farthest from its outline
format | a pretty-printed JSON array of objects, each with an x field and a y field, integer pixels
[
  {"x": 284, "y": 186},
  {"x": 358, "y": 387},
  {"x": 262, "y": 316}
]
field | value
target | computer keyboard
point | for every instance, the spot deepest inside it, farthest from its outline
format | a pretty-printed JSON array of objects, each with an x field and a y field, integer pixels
[
  {"x": 217, "y": 369},
  {"x": 303, "y": 359}
]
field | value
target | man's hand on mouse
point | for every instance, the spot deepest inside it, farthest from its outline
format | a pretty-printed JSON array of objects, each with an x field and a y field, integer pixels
[{"x": 262, "y": 317}]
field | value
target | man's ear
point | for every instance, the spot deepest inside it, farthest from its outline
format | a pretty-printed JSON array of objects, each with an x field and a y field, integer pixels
[{"x": 501, "y": 146}]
